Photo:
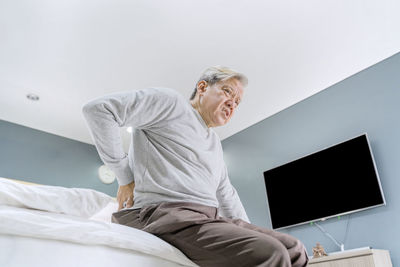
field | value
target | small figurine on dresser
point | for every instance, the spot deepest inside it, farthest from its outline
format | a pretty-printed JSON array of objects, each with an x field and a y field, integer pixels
[{"x": 318, "y": 251}]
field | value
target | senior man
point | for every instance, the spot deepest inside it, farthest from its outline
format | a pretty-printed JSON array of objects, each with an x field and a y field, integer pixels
[{"x": 174, "y": 181}]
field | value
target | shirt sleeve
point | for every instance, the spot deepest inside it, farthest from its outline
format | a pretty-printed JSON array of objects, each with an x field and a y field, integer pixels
[
  {"x": 139, "y": 109},
  {"x": 229, "y": 201}
]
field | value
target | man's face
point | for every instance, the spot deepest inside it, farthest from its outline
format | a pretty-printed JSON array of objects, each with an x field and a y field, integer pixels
[{"x": 219, "y": 101}]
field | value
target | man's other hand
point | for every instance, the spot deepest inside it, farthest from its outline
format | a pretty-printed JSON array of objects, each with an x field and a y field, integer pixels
[{"x": 125, "y": 194}]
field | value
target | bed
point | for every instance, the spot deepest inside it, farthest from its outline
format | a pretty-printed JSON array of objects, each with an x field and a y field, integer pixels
[{"x": 44, "y": 225}]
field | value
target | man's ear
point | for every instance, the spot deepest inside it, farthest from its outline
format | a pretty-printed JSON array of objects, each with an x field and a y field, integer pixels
[{"x": 201, "y": 87}]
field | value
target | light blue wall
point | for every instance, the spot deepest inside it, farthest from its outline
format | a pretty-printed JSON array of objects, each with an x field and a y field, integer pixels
[
  {"x": 366, "y": 102},
  {"x": 40, "y": 157}
]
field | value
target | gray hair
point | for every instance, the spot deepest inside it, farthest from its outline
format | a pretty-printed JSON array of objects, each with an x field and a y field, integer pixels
[{"x": 214, "y": 74}]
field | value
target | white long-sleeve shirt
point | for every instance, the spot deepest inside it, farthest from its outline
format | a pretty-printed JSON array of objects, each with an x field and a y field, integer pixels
[{"x": 173, "y": 155}]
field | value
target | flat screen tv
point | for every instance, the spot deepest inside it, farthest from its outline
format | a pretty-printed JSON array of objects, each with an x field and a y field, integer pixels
[{"x": 335, "y": 181}]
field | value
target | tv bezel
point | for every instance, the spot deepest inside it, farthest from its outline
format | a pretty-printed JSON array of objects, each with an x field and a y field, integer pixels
[{"x": 338, "y": 214}]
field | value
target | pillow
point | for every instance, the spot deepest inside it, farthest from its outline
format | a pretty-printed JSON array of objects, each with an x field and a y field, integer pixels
[
  {"x": 105, "y": 214},
  {"x": 73, "y": 201}
]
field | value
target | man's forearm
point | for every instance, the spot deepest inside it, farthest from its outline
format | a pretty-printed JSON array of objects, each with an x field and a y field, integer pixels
[{"x": 107, "y": 139}]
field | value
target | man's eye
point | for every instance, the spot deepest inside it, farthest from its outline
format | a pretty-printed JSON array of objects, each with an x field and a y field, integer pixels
[{"x": 227, "y": 90}]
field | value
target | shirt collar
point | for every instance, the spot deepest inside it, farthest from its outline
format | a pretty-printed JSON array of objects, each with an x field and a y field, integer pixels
[{"x": 199, "y": 117}]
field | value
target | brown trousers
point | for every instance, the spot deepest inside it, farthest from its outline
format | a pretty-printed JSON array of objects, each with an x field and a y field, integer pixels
[{"x": 210, "y": 240}]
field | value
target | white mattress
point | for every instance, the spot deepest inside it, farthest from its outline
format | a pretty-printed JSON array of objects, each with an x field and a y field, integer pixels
[
  {"x": 19, "y": 251},
  {"x": 39, "y": 238}
]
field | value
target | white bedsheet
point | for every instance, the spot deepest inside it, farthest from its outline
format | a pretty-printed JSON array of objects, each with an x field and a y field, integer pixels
[
  {"x": 74, "y": 215},
  {"x": 47, "y": 225}
]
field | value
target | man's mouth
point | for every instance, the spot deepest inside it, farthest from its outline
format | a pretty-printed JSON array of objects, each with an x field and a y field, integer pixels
[{"x": 226, "y": 112}]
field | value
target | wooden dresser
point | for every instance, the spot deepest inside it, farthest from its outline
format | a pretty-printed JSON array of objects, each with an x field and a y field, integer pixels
[{"x": 355, "y": 258}]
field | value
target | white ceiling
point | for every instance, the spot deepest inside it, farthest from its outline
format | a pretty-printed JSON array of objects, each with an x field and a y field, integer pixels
[{"x": 70, "y": 51}]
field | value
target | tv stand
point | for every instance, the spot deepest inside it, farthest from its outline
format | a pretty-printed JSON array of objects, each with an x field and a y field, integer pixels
[
  {"x": 349, "y": 250},
  {"x": 352, "y": 258}
]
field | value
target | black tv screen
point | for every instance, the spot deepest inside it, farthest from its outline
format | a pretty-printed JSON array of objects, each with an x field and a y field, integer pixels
[{"x": 335, "y": 181}]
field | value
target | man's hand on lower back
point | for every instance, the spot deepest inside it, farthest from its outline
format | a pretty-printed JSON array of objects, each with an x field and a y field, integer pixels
[{"x": 125, "y": 194}]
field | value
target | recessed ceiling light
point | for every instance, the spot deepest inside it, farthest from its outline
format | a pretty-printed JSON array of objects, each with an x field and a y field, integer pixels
[
  {"x": 32, "y": 97},
  {"x": 129, "y": 129}
]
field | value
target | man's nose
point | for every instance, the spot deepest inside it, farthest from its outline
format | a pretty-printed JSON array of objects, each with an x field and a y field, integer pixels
[{"x": 230, "y": 103}]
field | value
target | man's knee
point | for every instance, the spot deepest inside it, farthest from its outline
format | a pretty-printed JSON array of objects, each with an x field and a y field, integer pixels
[
  {"x": 298, "y": 254},
  {"x": 270, "y": 253}
]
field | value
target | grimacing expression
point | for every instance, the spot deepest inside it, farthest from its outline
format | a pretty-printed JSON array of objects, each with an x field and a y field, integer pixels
[{"x": 219, "y": 101}]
